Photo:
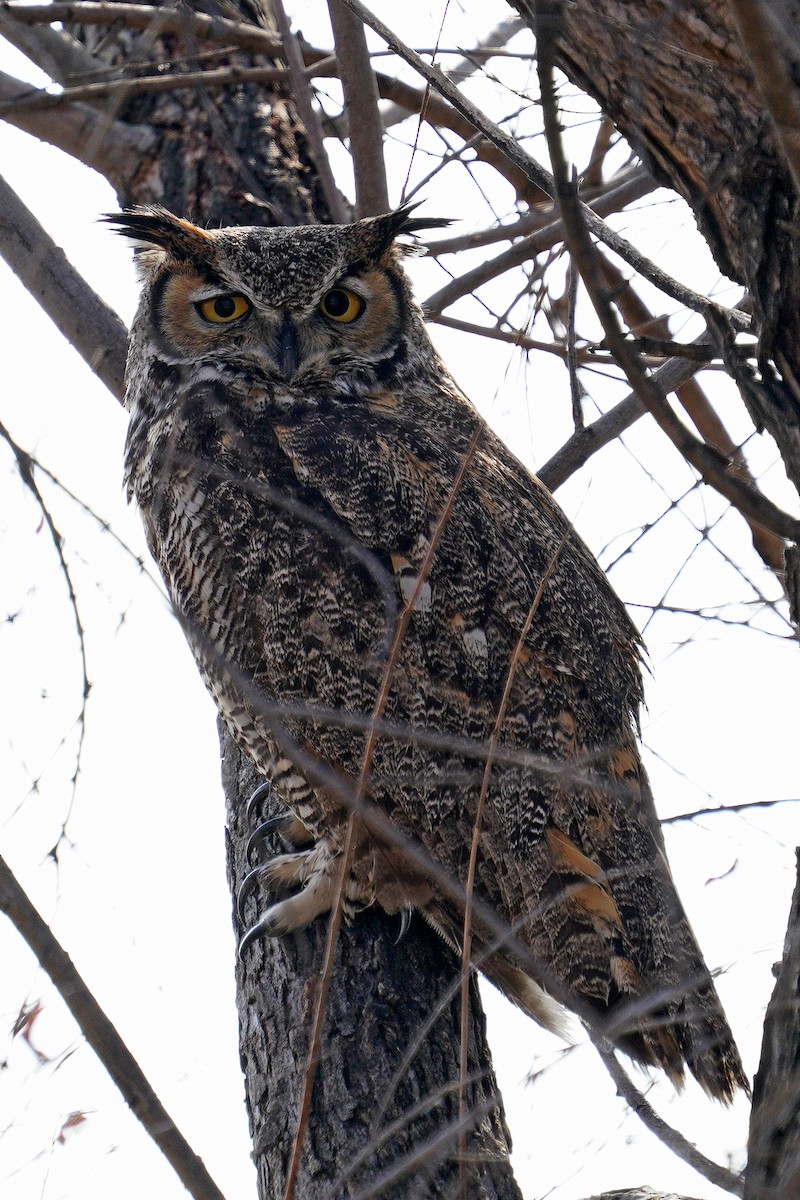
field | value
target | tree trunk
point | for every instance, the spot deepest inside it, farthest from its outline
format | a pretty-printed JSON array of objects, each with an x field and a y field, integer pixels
[
  {"x": 773, "y": 1160},
  {"x": 385, "y": 1103}
]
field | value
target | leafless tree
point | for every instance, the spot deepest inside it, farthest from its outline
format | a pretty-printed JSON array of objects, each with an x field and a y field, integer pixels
[{"x": 221, "y": 111}]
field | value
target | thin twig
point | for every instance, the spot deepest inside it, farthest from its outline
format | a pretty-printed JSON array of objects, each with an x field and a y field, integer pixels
[
  {"x": 716, "y": 809},
  {"x": 25, "y": 468},
  {"x": 105, "y": 1040},
  {"x": 473, "y": 60},
  {"x": 364, "y": 125},
  {"x": 438, "y": 113},
  {"x": 357, "y": 807}
]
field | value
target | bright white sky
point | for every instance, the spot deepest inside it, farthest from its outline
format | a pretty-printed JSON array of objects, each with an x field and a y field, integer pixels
[{"x": 144, "y": 830}]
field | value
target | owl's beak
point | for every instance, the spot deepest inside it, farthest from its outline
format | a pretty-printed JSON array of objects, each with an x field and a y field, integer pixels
[{"x": 287, "y": 354}]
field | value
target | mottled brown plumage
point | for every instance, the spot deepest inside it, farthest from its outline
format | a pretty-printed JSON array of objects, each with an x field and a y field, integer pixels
[{"x": 294, "y": 441}]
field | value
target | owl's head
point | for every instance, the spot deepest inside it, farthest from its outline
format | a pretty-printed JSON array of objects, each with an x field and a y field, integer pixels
[{"x": 316, "y": 304}]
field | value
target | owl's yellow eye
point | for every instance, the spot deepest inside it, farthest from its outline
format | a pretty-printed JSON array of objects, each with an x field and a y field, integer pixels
[
  {"x": 341, "y": 305},
  {"x": 221, "y": 310}
]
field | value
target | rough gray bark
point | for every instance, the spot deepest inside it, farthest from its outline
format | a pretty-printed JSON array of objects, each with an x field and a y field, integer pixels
[
  {"x": 773, "y": 1162},
  {"x": 240, "y": 157}
]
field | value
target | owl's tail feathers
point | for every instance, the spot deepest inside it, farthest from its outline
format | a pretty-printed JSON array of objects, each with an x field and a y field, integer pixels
[
  {"x": 678, "y": 1026},
  {"x": 527, "y": 995},
  {"x": 514, "y": 983},
  {"x": 684, "y": 1026}
]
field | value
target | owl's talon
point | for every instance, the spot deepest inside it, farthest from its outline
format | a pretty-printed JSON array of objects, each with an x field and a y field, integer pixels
[
  {"x": 247, "y": 887},
  {"x": 405, "y": 921},
  {"x": 262, "y": 928},
  {"x": 261, "y": 793},
  {"x": 262, "y": 831}
]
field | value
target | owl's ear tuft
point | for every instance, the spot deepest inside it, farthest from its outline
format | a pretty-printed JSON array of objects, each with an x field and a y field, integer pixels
[
  {"x": 385, "y": 229},
  {"x": 153, "y": 227}
]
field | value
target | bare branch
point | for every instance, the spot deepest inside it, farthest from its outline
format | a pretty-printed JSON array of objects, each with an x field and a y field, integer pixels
[
  {"x": 54, "y": 51},
  {"x": 305, "y": 109},
  {"x": 364, "y": 125},
  {"x": 540, "y": 177},
  {"x": 147, "y": 17},
  {"x": 587, "y": 441},
  {"x": 672, "y": 1138},
  {"x": 710, "y": 465},
  {"x": 727, "y": 808},
  {"x": 85, "y": 320},
  {"x": 472, "y": 61},
  {"x": 699, "y": 408},
  {"x": 440, "y": 114},
  {"x": 171, "y": 82},
  {"x": 105, "y": 1040},
  {"x": 548, "y": 232},
  {"x": 25, "y": 465},
  {"x": 106, "y": 145}
]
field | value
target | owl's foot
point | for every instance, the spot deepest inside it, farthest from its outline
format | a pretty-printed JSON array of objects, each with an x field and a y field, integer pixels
[{"x": 315, "y": 872}]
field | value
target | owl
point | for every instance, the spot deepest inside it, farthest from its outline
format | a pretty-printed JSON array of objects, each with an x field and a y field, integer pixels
[{"x": 390, "y": 610}]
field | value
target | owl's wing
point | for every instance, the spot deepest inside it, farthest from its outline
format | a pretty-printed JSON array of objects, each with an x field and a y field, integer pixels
[{"x": 516, "y": 642}]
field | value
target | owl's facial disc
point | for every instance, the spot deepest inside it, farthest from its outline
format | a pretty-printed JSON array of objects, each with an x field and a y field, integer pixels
[{"x": 353, "y": 319}]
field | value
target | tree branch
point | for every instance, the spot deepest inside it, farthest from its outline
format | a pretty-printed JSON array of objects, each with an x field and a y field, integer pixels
[
  {"x": 584, "y": 443},
  {"x": 81, "y": 316},
  {"x": 699, "y": 408},
  {"x": 141, "y": 85},
  {"x": 669, "y": 1136},
  {"x": 105, "y": 1040},
  {"x": 472, "y": 61},
  {"x": 301, "y": 93},
  {"x": 539, "y": 176},
  {"x": 108, "y": 146},
  {"x": 364, "y": 125},
  {"x": 151, "y": 19},
  {"x": 709, "y": 464},
  {"x": 54, "y": 51},
  {"x": 544, "y": 238}
]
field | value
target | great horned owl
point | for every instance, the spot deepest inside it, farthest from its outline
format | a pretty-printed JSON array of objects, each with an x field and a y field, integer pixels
[{"x": 310, "y": 475}]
